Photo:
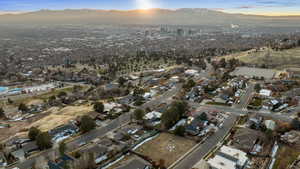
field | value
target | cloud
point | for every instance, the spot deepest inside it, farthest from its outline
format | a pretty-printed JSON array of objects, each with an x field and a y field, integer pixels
[
  {"x": 246, "y": 7},
  {"x": 269, "y": 4},
  {"x": 11, "y": 12},
  {"x": 277, "y": 3},
  {"x": 218, "y": 9}
]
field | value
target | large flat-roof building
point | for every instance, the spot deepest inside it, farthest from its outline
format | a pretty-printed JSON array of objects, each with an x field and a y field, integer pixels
[
  {"x": 254, "y": 72},
  {"x": 229, "y": 158}
]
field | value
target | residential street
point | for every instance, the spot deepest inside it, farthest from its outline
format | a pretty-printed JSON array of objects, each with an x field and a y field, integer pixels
[
  {"x": 207, "y": 146},
  {"x": 237, "y": 111},
  {"x": 245, "y": 98},
  {"x": 102, "y": 131},
  {"x": 166, "y": 97},
  {"x": 192, "y": 158}
]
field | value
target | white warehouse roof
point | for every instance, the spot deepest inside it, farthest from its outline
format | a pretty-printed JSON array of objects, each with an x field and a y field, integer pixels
[{"x": 228, "y": 158}]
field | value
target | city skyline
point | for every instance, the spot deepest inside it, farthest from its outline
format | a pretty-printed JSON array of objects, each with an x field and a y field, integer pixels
[{"x": 257, "y": 7}]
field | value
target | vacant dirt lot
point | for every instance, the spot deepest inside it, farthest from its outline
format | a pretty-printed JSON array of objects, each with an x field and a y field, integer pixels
[
  {"x": 16, "y": 129},
  {"x": 167, "y": 147},
  {"x": 61, "y": 116}
]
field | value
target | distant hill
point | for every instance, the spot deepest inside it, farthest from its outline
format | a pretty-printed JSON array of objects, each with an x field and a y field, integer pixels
[
  {"x": 276, "y": 59},
  {"x": 186, "y": 16}
]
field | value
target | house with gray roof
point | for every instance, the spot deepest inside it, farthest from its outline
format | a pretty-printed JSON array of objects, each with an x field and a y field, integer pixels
[
  {"x": 136, "y": 163},
  {"x": 99, "y": 152}
]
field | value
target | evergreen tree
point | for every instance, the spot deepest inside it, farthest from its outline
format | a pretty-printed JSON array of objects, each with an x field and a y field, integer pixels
[
  {"x": 33, "y": 133},
  {"x": 87, "y": 124}
]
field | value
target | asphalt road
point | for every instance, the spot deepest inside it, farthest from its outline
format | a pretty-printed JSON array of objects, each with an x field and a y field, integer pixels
[
  {"x": 245, "y": 98},
  {"x": 87, "y": 138},
  {"x": 165, "y": 98},
  {"x": 102, "y": 131},
  {"x": 121, "y": 120},
  {"x": 190, "y": 160},
  {"x": 238, "y": 111},
  {"x": 200, "y": 152},
  {"x": 291, "y": 112},
  {"x": 99, "y": 132}
]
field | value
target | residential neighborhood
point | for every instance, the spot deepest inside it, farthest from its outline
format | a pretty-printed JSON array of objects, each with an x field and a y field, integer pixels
[
  {"x": 149, "y": 84},
  {"x": 162, "y": 122}
]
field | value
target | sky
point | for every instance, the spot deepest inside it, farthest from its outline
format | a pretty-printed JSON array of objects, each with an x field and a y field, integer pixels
[{"x": 260, "y": 7}]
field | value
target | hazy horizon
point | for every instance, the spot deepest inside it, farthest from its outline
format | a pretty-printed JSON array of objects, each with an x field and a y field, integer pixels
[
  {"x": 128, "y": 10},
  {"x": 252, "y": 7}
]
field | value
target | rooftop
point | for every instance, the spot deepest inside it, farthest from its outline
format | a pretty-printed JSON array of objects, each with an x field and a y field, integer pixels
[
  {"x": 228, "y": 158},
  {"x": 136, "y": 164}
]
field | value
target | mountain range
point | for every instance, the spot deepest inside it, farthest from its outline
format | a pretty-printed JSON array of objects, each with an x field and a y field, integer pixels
[{"x": 184, "y": 16}]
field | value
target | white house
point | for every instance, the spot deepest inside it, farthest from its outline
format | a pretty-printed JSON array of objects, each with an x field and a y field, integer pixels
[
  {"x": 109, "y": 106},
  {"x": 265, "y": 92},
  {"x": 270, "y": 124},
  {"x": 152, "y": 115},
  {"x": 191, "y": 72}
]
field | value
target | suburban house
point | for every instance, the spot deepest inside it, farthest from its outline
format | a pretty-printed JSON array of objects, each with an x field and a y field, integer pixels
[
  {"x": 270, "y": 124},
  {"x": 112, "y": 106},
  {"x": 132, "y": 129},
  {"x": 136, "y": 163},
  {"x": 265, "y": 93},
  {"x": 30, "y": 147},
  {"x": 18, "y": 155},
  {"x": 118, "y": 136},
  {"x": 191, "y": 72},
  {"x": 100, "y": 153},
  {"x": 195, "y": 94},
  {"x": 61, "y": 162},
  {"x": 23, "y": 148},
  {"x": 153, "y": 116},
  {"x": 245, "y": 139},
  {"x": 127, "y": 100},
  {"x": 149, "y": 94},
  {"x": 195, "y": 126},
  {"x": 63, "y": 132},
  {"x": 291, "y": 138},
  {"x": 255, "y": 122}
]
